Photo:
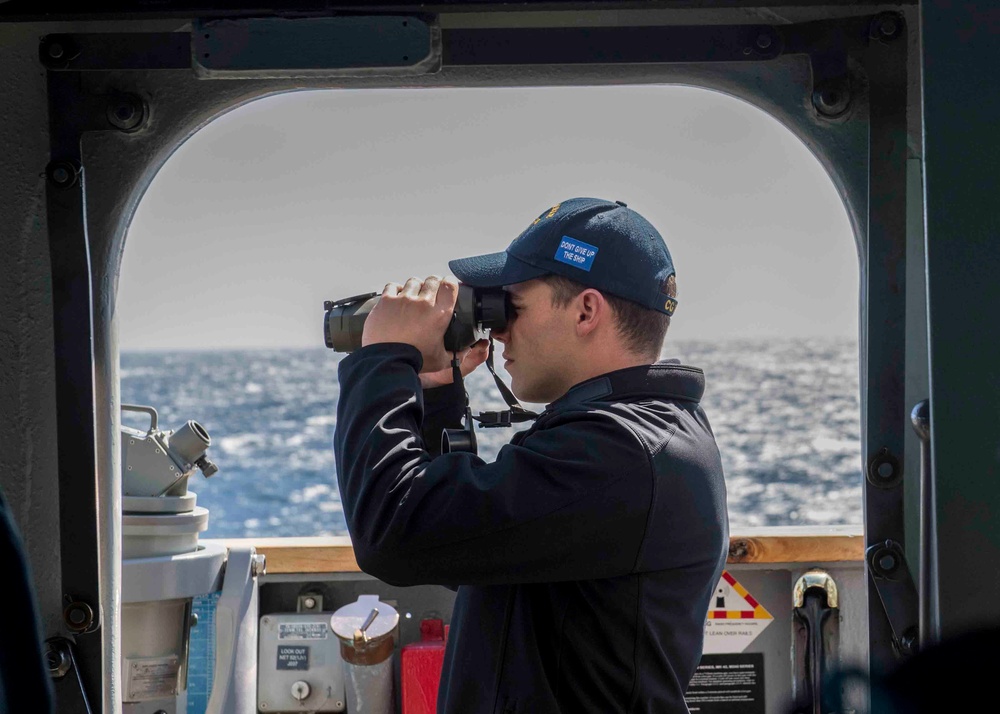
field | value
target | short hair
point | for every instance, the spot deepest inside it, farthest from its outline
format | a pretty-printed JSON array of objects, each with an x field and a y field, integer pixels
[{"x": 642, "y": 329}]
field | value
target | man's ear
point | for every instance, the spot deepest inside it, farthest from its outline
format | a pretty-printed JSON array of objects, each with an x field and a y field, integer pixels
[{"x": 591, "y": 310}]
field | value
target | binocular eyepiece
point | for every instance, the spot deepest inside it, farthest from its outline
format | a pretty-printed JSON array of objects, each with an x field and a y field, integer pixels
[{"x": 476, "y": 311}]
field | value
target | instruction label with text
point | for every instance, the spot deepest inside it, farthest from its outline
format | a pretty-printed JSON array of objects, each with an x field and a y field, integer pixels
[{"x": 728, "y": 684}]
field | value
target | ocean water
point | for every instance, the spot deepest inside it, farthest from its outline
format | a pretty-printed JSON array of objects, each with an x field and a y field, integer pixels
[{"x": 786, "y": 414}]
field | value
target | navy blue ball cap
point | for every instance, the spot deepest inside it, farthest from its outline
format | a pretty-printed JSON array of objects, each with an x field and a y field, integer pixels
[{"x": 600, "y": 244}]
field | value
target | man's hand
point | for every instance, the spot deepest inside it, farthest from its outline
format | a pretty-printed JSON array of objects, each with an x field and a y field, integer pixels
[
  {"x": 471, "y": 358},
  {"x": 416, "y": 313}
]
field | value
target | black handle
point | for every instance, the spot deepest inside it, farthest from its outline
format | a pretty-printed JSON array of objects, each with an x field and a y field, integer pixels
[
  {"x": 816, "y": 640},
  {"x": 928, "y": 606}
]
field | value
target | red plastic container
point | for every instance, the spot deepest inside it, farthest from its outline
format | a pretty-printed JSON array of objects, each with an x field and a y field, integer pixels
[{"x": 420, "y": 668}]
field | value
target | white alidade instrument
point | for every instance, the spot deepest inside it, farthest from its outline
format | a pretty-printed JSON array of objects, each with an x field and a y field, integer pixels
[
  {"x": 158, "y": 463},
  {"x": 164, "y": 566}
]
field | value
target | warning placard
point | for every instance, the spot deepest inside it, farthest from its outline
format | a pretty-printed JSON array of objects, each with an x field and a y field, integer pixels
[
  {"x": 728, "y": 684},
  {"x": 734, "y": 619}
]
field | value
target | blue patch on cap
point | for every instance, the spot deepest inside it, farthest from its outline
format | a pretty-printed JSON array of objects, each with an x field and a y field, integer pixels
[{"x": 576, "y": 253}]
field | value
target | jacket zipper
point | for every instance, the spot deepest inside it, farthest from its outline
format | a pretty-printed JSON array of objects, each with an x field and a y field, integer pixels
[{"x": 503, "y": 650}]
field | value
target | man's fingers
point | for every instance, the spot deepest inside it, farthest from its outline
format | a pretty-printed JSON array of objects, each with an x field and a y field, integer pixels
[
  {"x": 412, "y": 287},
  {"x": 447, "y": 294},
  {"x": 391, "y": 290},
  {"x": 428, "y": 290}
]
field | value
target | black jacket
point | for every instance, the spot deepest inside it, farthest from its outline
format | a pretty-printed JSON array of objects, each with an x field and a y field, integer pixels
[{"x": 585, "y": 555}]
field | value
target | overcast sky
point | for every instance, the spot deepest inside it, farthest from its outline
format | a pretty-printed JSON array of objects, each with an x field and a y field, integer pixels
[{"x": 308, "y": 196}]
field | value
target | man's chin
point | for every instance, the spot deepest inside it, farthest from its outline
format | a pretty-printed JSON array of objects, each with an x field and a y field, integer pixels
[
  {"x": 522, "y": 393},
  {"x": 525, "y": 393}
]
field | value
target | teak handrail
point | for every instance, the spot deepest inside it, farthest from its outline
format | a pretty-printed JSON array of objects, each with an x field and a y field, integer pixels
[{"x": 793, "y": 544}]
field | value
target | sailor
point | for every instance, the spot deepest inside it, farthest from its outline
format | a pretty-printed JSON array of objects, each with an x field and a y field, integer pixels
[{"x": 586, "y": 555}]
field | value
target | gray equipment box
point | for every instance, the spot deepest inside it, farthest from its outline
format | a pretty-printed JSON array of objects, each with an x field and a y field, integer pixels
[{"x": 299, "y": 666}]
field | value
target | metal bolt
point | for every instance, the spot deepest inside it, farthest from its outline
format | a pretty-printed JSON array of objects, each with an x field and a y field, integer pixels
[
  {"x": 739, "y": 549},
  {"x": 339, "y": 705},
  {"x": 258, "y": 565},
  {"x": 57, "y": 51},
  {"x": 884, "y": 469},
  {"x": 763, "y": 41},
  {"x": 887, "y": 562},
  {"x": 126, "y": 112},
  {"x": 194, "y": 619},
  {"x": 831, "y": 99},
  {"x": 57, "y": 660},
  {"x": 78, "y": 616},
  {"x": 62, "y": 173},
  {"x": 886, "y": 26},
  {"x": 309, "y": 602}
]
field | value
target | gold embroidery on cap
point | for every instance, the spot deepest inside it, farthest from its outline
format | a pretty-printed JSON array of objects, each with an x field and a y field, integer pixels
[
  {"x": 552, "y": 212},
  {"x": 670, "y": 305}
]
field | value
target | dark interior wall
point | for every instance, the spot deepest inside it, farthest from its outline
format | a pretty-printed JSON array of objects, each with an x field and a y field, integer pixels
[
  {"x": 962, "y": 152},
  {"x": 27, "y": 379}
]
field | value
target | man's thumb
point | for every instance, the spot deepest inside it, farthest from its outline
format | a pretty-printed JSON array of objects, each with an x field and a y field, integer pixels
[{"x": 476, "y": 356}]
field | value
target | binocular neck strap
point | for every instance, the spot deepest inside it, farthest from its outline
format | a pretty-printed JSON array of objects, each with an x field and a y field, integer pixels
[{"x": 515, "y": 414}]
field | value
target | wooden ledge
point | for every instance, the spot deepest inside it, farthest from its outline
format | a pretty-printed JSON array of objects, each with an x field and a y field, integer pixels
[
  {"x": 798, "y": 544},
  {"x": 793, "y": 544},
  {"x": 323, "y": 554}
]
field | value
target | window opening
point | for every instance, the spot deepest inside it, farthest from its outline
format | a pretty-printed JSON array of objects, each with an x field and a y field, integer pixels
[{"x": 307, "y": 196}]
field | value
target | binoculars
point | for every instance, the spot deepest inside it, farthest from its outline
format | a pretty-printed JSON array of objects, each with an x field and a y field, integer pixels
[{"x": 476, "y": 311}]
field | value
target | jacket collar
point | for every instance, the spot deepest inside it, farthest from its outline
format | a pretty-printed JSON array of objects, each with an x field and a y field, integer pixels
[{"x": 666, "y": 379}]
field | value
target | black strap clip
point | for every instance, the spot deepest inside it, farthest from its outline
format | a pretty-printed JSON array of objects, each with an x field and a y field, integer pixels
[{"x": 490, "y": 420}]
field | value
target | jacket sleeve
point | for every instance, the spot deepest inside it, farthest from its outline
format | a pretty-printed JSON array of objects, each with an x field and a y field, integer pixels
[
  {"x": 444, "y": 408},
  {"x": 565, "y": 502}
]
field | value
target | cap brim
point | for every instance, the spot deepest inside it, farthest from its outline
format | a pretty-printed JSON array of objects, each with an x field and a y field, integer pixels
[{"x": 493, "y": 270}]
